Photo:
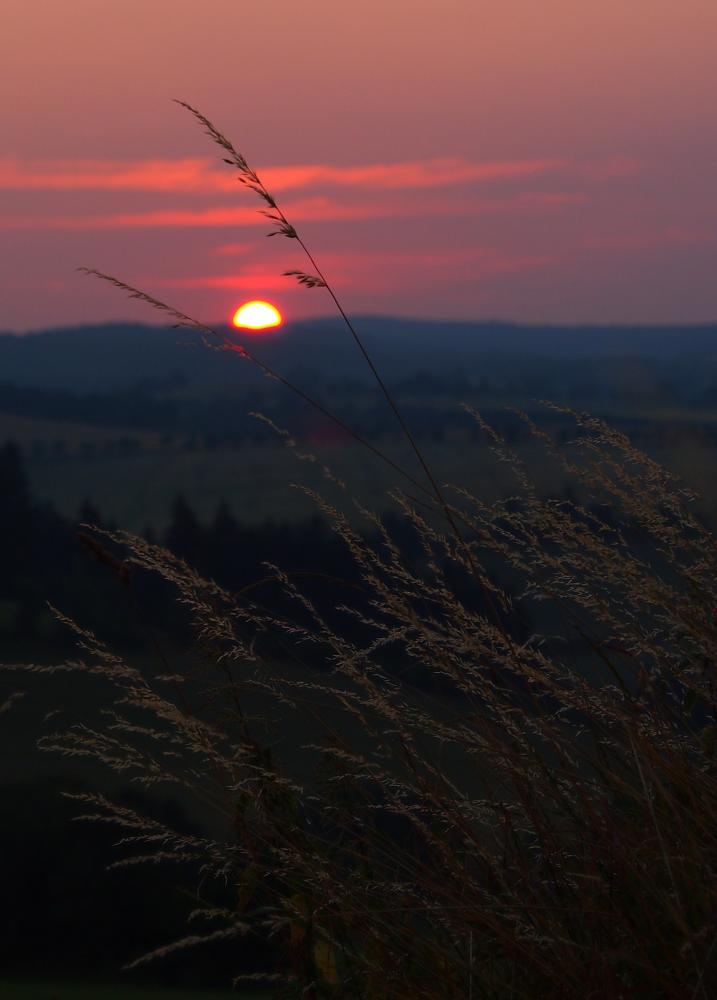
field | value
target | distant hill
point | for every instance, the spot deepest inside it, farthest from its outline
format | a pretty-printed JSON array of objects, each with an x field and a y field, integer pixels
[{"x": 121, "y": 355}]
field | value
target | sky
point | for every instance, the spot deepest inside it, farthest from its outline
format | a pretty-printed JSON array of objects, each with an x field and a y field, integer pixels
[{"x": 528, "y": 160}]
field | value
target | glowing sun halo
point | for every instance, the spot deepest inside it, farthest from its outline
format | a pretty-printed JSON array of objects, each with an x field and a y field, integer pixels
[{"x": 257, "y": 315}]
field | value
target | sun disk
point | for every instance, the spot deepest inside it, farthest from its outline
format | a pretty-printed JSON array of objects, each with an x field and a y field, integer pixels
[{"x": 257, "y": 315}]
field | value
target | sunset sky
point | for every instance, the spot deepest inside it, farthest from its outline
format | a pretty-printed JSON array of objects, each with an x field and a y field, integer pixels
[{"x": 535, "y": 160}]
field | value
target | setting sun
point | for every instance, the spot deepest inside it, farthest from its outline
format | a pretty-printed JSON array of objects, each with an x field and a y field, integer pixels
[{"x": 257, "y": 315}]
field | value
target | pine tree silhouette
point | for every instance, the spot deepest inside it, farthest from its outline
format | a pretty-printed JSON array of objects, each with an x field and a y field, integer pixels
[
  {"x": 15, "y": 513},
  {"x": 185, "y": 536}
]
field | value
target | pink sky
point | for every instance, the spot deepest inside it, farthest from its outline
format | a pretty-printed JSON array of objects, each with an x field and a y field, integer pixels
[{"x": 536, "y": 160}]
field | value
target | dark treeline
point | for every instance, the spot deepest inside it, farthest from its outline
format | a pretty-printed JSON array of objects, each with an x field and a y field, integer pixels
[
  {"x": 432, "y": 398},
  {"x": 48, "y": 559},
  {"x": 51, "y": 560},
  {"x": 431, "y": 405},
  {"x": 44, "y": 558}
]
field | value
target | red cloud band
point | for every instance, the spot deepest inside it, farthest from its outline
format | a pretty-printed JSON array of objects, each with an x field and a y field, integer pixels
[
  {"x": 202, "y": 176},
  {"x": 309, "y": 209}
]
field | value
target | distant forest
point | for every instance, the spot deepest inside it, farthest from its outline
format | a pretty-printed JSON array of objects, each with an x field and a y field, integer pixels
[{"x": 46, "y": 557}]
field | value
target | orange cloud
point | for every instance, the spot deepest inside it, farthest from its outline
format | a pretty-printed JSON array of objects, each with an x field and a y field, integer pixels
[
  {"x": 317, "y": 209},
  {"x": 417, "y": 174},
  {"x": 107, "y": 175},
  {"x": 202, "y": 176}
]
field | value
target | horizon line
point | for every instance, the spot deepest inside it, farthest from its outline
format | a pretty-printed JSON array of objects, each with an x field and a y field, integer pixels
[{"x": 323, "y": 319}]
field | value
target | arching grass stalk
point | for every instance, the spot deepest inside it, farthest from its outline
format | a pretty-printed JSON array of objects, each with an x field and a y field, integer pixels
[{"x": 250, "y": 178}]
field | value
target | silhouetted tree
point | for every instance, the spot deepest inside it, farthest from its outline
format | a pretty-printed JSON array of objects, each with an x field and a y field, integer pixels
[
  {"x": 15, "y": 515},
  {"x": 89, "y": 514},
  {"x": 224, "y": 551},
  {"x": 185, "y": 535}
]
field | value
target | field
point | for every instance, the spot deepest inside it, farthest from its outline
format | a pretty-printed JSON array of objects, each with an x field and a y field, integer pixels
[{"x": 137, "y": 489}]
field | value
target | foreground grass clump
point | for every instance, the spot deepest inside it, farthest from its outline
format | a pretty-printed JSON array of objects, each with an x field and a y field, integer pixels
[{"x": 494, "y": 784}]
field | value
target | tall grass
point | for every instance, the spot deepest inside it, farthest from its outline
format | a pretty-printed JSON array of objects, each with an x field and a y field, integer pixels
[{"x": 484, "y": 771}]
